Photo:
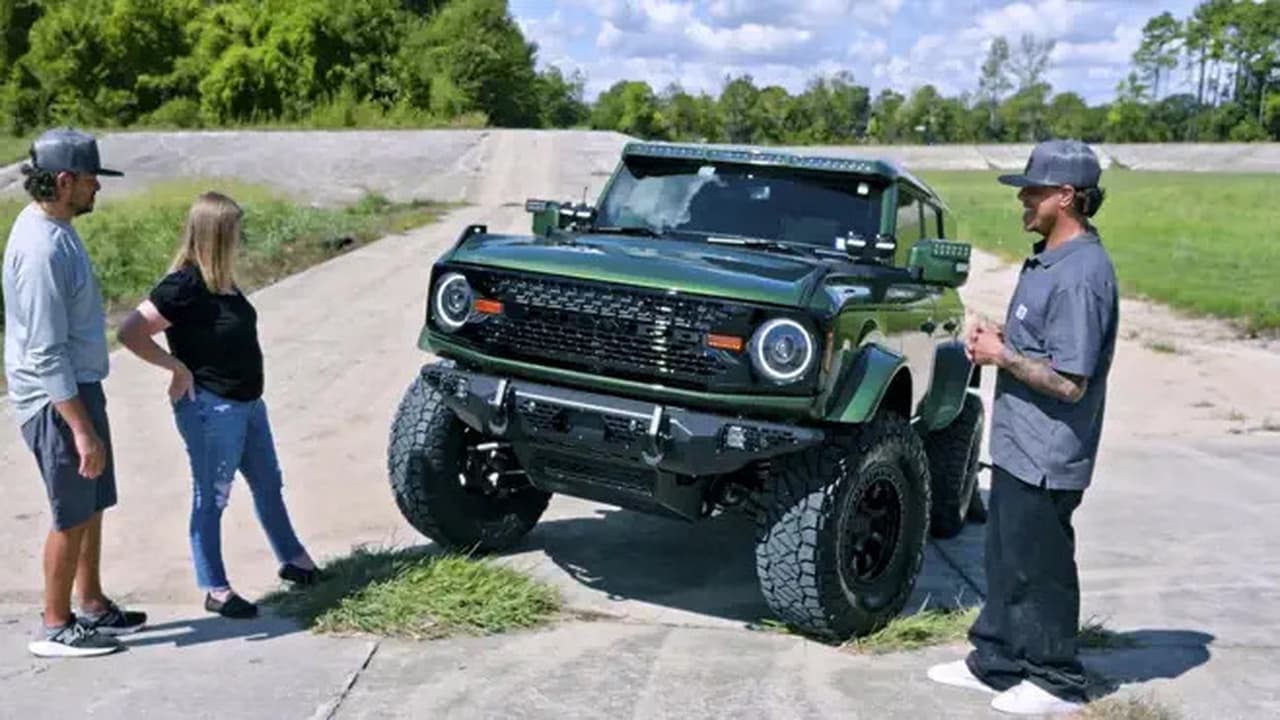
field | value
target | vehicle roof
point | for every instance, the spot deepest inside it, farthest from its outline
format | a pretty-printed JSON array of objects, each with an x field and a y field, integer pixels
[{"x": 832, "y": 160}]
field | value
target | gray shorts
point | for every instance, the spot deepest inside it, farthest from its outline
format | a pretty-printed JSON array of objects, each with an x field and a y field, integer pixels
[{"x": 72, "y": 498}]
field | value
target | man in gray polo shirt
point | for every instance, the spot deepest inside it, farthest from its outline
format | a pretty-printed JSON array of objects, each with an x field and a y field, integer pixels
[
  {"x": 55, "y": 358},
  {"x": 1053, "y": 355}
]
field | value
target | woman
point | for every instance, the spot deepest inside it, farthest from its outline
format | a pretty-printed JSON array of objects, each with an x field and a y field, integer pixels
[{"x": 216, "y": 393}]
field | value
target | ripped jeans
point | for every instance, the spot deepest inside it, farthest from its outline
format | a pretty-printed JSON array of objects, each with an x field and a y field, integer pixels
[{"x": 223, "y": 436}]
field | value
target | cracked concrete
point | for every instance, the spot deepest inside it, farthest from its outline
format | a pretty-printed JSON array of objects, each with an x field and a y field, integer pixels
[{"x": 1176, "y": 538}]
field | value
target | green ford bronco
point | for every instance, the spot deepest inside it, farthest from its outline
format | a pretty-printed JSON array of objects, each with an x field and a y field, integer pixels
[{"x": 725, "y": 328}]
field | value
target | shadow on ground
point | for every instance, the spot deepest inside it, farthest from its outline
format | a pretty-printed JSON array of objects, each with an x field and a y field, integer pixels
[
  {"x": 213, "y": 629},
  {"x": 706, "y": 568},
  {"x": 1138, "y": 656}
]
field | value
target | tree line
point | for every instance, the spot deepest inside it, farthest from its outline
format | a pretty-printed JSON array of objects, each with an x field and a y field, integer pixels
[{"x": 427, "y": 63}]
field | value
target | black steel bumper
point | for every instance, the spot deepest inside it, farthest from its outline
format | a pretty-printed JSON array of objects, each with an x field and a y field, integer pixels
[{"x": 626, "y": 452}]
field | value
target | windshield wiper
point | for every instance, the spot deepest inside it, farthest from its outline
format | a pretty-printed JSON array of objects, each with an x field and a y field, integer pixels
[
  {"x": 641, "y": 230},
  {"x": 768, "y": 244}
]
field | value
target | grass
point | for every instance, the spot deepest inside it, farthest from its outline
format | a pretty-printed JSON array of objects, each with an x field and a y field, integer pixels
[
  {"x": 1202, "y": 243},
  {"x": 14, "y": 148},
  {"x": 1094, "y": 635},
  {"x": 412, "y": 594},
  {"x": 918, "y": 630},
  {"x": 1129, "y": 708},
  {"x": 131, "y": 239}
]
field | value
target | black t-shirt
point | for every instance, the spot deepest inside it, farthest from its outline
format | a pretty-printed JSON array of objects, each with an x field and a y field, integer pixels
[{"x": 214, "y": 335}]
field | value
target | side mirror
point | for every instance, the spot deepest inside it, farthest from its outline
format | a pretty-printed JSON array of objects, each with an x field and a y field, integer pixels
[
  {"x": 940, "y": 262},
  {"x": 551, "y": 215}
]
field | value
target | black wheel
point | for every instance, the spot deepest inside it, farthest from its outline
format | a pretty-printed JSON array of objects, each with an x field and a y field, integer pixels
[
  {"x": 953, "y": 469},
  {"x": 453, "y": 484},
  {"x": 841, "y": 536}
]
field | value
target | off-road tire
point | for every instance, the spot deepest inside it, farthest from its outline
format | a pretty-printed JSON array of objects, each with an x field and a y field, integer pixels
[
  {"x": 424, "y": 460},
  {"x": 808, "y": 507},
  {"x": 953, "y": 468}
]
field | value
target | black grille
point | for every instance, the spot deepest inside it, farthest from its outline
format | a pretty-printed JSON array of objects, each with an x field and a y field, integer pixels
[{"x": 631, "y": 333}]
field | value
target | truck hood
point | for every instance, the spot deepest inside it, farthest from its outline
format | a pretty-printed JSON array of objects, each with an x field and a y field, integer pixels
[{"x": 688, "y": 265}]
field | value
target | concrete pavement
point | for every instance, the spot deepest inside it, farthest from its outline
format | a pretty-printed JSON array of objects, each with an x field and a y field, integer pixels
[{"x": 1176, "y": 541}]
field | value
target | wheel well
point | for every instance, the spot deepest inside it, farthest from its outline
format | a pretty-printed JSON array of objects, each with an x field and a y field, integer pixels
[{"x": 897, "y": 398}]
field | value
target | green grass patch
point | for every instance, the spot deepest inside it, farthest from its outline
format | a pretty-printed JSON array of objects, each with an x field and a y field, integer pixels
[
  {"x": 1095, "y": 635},
  {"x": 936, "y": 626},
  {"x": 132, "y": 238},
  {"x": 412, "y": 594},
  {"x": 14, "y": 147},
  {"x": 1199, "y": 242}
]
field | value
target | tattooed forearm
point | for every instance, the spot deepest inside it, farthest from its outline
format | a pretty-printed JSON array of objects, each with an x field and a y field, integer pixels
[{"x": 1038, "y": 375}]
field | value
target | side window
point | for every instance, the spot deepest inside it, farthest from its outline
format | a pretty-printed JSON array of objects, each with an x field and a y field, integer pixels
[
  {"x": 910, "y": 224},
  {"x": 936, "y": 228},
  {"x": 910, "y": 227}
]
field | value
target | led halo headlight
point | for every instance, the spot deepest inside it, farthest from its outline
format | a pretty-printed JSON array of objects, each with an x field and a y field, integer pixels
[
  {"x": 453, "y": 301},
  {"x": 782, "y": 350}
]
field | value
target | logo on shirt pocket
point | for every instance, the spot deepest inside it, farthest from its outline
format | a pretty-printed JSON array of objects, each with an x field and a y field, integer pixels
[{"x": 1021, "y": 312}]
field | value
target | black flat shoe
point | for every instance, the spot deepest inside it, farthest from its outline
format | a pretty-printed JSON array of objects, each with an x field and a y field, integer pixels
[
  {"x": 298, "y": 576},
  {"x": 233, "y": 607}
]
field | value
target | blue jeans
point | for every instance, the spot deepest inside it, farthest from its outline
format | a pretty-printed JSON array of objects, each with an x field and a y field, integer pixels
[{"x": 223, "y": 436}]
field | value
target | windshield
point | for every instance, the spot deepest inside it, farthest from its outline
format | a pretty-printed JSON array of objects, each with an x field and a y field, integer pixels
[{"x": 746, "y": 201}]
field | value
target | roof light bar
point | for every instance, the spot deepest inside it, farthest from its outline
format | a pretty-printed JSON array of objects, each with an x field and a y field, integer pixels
[{"x": 757, "y": 157}]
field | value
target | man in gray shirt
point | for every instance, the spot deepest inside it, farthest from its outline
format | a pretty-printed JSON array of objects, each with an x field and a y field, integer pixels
[
  {"x": 55, "y": 358},
  {"x": 1053, "y": 355}
]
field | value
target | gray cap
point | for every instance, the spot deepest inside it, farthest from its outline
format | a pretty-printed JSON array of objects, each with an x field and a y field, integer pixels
[
  {"x": 1058, "y": 162},
  {"x": 64, "y": 149}
]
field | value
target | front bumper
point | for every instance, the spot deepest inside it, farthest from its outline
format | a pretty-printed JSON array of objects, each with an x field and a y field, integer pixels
[{"x": 650, "y": 456}]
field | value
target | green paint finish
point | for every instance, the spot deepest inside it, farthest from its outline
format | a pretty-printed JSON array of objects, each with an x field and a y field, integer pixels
[
  {"x": 755, "y": 405},
  {"x": 951, "y": 374},
  {"x": 860, "y": 381},
  {"x": 693, "y": 267}
]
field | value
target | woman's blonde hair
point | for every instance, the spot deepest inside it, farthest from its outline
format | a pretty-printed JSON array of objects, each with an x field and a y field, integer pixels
[{"x": 209, "y": 241}]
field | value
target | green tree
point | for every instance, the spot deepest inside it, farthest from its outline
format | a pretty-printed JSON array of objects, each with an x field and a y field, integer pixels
[
  {"x": 471, "y": 57},
  {"x": 560, "y": 99},
  {"x": 1159, "y": 50}
]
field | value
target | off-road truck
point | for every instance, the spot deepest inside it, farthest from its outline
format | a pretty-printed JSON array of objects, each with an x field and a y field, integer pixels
[{"x": 724, "y": 327}]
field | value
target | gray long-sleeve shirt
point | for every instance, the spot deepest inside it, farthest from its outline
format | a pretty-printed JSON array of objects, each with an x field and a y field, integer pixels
[{"x": 54, "y": 326}]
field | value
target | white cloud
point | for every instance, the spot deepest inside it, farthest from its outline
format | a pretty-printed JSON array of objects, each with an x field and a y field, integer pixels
[
  {"x": 882, "y": 42},
  {"x": 802, "y": 13}
]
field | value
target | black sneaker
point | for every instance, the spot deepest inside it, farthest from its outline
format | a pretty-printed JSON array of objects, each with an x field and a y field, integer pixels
[
  {"x": 233, "y": 607},
  {"x": 72, "y": 640},
  {"x": 299, "y": 576},
  {"x": 114, "y": 621}
]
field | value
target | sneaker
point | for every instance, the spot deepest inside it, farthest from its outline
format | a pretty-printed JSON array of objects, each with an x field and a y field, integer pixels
[
  {"x": 957, "y": 674},
  {"x": 72, "y": 640},
  {"x": 1027, "y": 698},
  {"x": 114, "y": 621},
  {"x": 233, "y": 607}
]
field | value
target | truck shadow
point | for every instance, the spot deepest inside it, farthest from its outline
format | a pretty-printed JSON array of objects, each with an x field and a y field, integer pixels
[{"x": 708, "y": 568}]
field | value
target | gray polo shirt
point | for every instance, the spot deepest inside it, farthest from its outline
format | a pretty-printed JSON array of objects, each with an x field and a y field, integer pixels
[
  {"x": 55, "y": 333},
  {"x": 1065, "y": 309}
]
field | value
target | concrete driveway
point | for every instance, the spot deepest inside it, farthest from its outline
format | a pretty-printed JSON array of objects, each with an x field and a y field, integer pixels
[{"x": 1177, "y": 539}]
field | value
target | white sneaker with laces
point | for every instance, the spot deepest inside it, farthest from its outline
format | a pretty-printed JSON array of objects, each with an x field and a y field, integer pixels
[
  {"x": 1027, "y": 698},
  {"x": 957, "y": 674}
]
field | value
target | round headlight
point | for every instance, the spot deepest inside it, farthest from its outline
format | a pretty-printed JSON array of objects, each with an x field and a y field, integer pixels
[
  {"x": 782, "y": 350},
  {"x": 453, "y": 301}
]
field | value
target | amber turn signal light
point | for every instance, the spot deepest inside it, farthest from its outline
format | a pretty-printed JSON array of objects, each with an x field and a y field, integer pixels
[
  {"x": 488, "y": 307},
  {"x": 725, "y": 342}
]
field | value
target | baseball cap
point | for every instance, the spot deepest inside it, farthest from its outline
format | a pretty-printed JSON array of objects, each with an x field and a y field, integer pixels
[
  {"x": 1058, "y": 162},
  {"x": 65, "y": 149}
]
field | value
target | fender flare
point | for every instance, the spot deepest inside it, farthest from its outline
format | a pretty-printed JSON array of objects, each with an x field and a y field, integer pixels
[
  {"x": 868, "y": 375},
  {"x": 953, "y": 375}
]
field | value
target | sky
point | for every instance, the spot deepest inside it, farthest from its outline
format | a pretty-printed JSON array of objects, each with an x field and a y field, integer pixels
[{"x": 900, "y": 44}]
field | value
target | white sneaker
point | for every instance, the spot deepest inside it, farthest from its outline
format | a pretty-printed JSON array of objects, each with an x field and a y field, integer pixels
[
  {"x": 1027, "y": 698},
  {"x": 957, "y": 674}
]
